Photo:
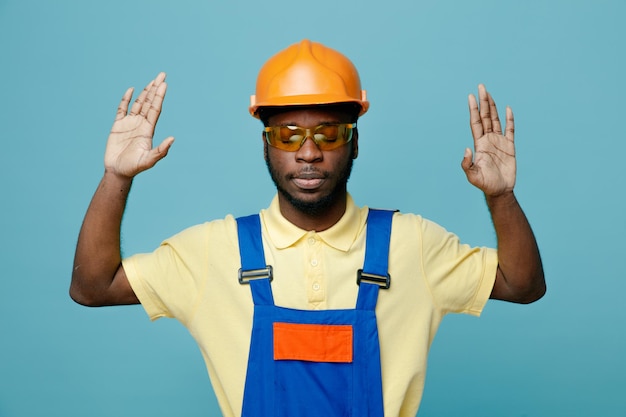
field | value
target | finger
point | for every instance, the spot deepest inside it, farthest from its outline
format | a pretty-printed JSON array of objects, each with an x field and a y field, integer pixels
[
  {"x": 160, "y": 78},
  {"x": 467, "y": 163},
  {"x": 164, "y": 147},
  {"x": 157, "y": 104},
  {"x": 475, "y": 123},
  {"x": 510, "y": 124},
  {"x": 160, "y": 152},
  {"x": 136, "y": 108},
  {"x": 147, "y": 104},
  {"x": 122, "y": 109},
  {"x": 495, "y": 120},
  {"x": 484, "y": 109}
]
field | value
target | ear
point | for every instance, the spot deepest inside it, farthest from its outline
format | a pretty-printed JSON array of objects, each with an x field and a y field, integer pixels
[{"x": 355, "y": 144}]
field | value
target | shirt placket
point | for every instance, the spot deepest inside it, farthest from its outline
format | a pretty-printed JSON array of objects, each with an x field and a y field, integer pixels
[{"x": 315, "y": 282}]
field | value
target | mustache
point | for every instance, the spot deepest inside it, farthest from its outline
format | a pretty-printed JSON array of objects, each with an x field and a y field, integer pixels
[{"x": 309, "y": 173}]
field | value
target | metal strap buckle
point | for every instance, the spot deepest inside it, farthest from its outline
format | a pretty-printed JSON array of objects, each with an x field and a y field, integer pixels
[
  {"x": 383, "y": 281},
  {"x": 252, "y": 274}
]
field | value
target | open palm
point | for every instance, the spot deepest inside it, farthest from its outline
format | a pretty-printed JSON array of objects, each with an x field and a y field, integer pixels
[
  {"x": 493, "y": 168},
  {"x": 129, "y": 148}
]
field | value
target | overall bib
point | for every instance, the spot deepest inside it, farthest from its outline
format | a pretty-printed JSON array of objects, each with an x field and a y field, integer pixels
[{"x": 305, "y": 363}]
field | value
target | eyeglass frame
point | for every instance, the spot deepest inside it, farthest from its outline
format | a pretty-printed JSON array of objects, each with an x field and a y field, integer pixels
[{"x": 310, "y": 133}]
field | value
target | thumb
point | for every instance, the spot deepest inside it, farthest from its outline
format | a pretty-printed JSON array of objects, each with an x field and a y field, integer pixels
[
  {"x": 467, "y": 163},
  {"x": 160, "y": 152}
]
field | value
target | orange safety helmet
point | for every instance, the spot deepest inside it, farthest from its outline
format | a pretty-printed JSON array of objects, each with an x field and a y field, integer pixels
[{"x": 307, "y": 73}]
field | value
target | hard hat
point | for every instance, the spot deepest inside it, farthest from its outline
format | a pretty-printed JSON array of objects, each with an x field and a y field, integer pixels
[{"x": 307, "y": 73}]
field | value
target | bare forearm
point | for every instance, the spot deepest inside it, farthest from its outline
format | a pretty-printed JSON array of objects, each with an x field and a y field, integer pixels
[
  {"x": 98, "y": 254},
  {"x": 520, "y": 270}
]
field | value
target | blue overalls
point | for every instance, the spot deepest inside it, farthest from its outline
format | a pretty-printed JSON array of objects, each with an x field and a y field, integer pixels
[{"x": 306, "y": 363}]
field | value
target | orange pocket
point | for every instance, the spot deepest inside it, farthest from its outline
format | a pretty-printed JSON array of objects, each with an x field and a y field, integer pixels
[{"x": 313, "y": 342}]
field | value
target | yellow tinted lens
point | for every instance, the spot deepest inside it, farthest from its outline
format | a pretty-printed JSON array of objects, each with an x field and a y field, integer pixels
[
  {"x": 326, "y": 137},
  {"x": 333, "y": 136},
  {"x": 287, "y": 138},
  {"x": 329, "y": 137}
]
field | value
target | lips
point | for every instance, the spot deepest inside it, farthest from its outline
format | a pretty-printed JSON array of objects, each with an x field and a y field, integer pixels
[{"x": 308, "y": 180}]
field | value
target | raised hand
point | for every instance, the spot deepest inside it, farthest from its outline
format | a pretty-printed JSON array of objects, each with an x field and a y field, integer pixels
[
  {"x": 493, "y": 168},
  {"x": 129, "y": 148}
]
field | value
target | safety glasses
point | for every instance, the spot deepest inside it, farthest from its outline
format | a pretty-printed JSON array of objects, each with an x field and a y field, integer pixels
[{"x": 327, "y": 136}]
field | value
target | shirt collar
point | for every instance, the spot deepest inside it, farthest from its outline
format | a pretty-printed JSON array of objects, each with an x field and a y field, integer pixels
[{"x": 341, "y": 235}]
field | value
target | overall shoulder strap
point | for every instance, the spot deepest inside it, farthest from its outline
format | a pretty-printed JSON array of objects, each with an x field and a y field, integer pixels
[
  {"x": 254, "y": 270},
  {"x": 375, "y": 274}
]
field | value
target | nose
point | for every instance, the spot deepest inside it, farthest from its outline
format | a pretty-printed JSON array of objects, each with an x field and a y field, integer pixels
[{"x": 309, "y": 151}]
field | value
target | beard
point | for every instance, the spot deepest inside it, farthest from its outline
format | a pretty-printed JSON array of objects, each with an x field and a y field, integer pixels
[{"x": 322, "y": 204}]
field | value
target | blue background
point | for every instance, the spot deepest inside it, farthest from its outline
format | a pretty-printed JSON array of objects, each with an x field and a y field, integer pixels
[{"x": 559, "y": 64}]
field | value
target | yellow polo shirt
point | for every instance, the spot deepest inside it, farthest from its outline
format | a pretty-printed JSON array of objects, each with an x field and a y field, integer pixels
[{"x": 192, "y": 277}]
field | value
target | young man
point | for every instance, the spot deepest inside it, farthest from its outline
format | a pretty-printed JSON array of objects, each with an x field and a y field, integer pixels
[{"x": 315, "y": 306}]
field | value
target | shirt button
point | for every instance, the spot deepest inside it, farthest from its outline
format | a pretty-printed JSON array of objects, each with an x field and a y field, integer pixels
[
  {"x": 316, "y": 286},
  {"x": 314, "y": 262},
  {"x": 311, "y": 241}
]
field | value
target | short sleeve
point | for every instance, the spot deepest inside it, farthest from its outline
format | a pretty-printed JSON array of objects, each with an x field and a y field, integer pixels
[
  {"x": 169, "y": 281},
  {"x": 459, "y": 276}
]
